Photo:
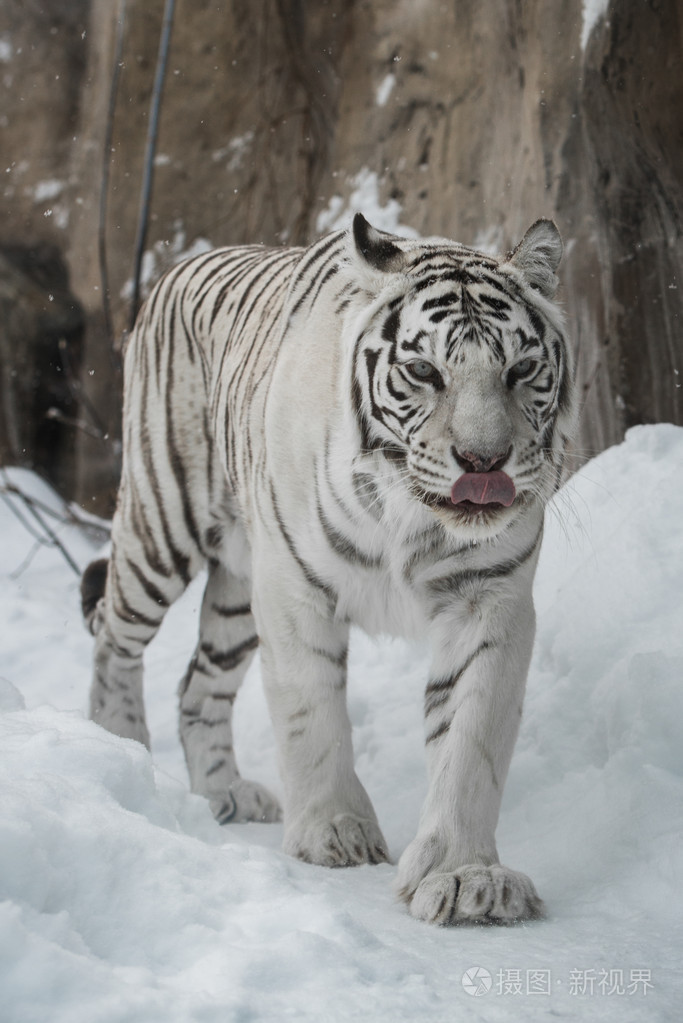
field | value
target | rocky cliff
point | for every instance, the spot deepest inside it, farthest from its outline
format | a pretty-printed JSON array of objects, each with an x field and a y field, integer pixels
[{"x": 279, "y": 116}]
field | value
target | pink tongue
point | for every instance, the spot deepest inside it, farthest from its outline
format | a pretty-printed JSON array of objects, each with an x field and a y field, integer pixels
[{"x": 484, "y": 488}]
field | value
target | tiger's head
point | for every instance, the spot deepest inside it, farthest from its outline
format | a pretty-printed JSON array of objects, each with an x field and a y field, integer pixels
[{"x": 461, "y": 374}]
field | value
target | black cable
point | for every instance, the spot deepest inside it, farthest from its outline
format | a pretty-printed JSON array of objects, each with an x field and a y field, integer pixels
[
  {"x": 104, "y": 189},
  {"x": 152, "y": 131}
]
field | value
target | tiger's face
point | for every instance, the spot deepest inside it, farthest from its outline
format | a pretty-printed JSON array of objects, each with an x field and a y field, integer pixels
[{"x": 462, "y": 377}]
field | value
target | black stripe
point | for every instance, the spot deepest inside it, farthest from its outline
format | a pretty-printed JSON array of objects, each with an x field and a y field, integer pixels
[
  {"x": 330, "y": 272},
  {"x": 438, "y": 732},
  {"x": 426, "y": 282},
  {"x": 341, "y": 544},
  {"x": 536, "y": 320},
  {"x": 440, "y": 315},
  {"x": 213, "y": 723},
  {"x": 273, "y": 313},
  {"x": 127, "y": 613},
  {"x": 152, "y": 591},
  {"x": 231, "y": 612},
  {"x": 189, "y": 340},
  {"x": 223, "y": 258},
  {"x": 414, "y": 345},
  {"x": 439, "y": 690},
  {"x": 359, "y": 412},
  {"x": 392, "y": 453},
  {"x": 227, "y": 660},
  {"x": 526, "y": 341},
  {"x": 396, "y": 395},
  {"x": 348, "y": 514},
  {"x": 266, "y": 276},
  {"x": 125, "y": 652},
  {"x": 453, "y": 258},
  {"x": 365, "y": 489},
  {"x": 390, "y": 328},
  {"x": 498, "y": 308},
  {"x": 431, "y": 548},
  {"x": 308, "y": 261},
  {"x": 310, "y": 576},
  {"x": 243, "y": 269},
  {"x": 449, "y": 299},
  {"x": 145, "y": 534},
  {"x": 450, "y": 587},
  {"x": 174, "y": 456},
  {"x": 371, "y": 358},
  {"x": 304, "y": 295},
  {"x": 339, "y": 660},
  {"x": 181, "y": 563},
  {"x": 253, "y": 353}
]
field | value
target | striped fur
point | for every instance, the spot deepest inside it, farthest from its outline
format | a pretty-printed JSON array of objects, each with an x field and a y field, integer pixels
[{"x": 296, "y": 419}]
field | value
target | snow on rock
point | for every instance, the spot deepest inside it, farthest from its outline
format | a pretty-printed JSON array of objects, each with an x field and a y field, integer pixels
[
  {"x": 365, "y": 199},
  {"x": 385, "y": 89},
  {"x": 122, "y": 900},
  {"x": 162, "y": 256},
  {"x": 46, "y": 190},
  {"x": 593, "y": 12}
]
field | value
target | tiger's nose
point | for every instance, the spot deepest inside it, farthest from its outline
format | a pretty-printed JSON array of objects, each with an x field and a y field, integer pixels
[{"x": 471, "y": 461}]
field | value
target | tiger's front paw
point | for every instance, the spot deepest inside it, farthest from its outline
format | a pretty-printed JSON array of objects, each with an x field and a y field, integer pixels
[
  {"x": 245, "y": 801},
  {"x": 343, "y": 841},
  {"x": 476, "y": 894}
]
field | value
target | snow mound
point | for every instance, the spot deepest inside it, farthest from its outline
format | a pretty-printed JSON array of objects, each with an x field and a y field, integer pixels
[{"x": 122, "y": 900}]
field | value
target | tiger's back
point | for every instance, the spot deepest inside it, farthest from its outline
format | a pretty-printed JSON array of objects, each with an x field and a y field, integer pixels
[{"x": 194, "y": 381}]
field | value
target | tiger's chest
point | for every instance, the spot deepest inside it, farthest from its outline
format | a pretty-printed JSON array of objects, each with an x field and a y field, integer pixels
[
  {"x": 379, "y": 577},
  {"x": 381, "y": 601}
]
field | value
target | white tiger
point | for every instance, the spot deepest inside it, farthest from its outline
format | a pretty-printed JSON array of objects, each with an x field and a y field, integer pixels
[{"x": 362, "y": 432}]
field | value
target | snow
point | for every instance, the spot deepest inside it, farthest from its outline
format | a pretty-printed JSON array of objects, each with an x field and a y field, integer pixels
[
  {"x": 385, "y": 89},
  {"x": 235, "y": 151},
  {"x": 364, "y": 198},
  {"x": 162, "y": 256},
  {"x": 46, "y": 190},
  {"x": 122, "y": 900},
  {"x": 593, "y": 12}
]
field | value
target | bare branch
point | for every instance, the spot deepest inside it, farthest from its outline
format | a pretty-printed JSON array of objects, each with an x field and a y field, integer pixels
[
  {"x": 79, "y": 424},
  {"x": 36, "y": 521},
  {"x": 112, "y": 349}
]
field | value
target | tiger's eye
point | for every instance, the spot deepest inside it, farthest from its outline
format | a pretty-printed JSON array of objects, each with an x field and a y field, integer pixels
[
  {"x": 420, "y": 369},
  {"x": 520, "y": 371}
]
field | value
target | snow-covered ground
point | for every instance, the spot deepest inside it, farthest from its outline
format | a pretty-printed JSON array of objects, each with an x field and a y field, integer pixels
[{"x": 121, "y": 899}]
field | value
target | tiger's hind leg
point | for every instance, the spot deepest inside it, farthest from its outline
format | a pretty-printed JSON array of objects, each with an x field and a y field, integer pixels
[
  {"x": 227, "y": 641},
  {"x": 124, "y": 602}
]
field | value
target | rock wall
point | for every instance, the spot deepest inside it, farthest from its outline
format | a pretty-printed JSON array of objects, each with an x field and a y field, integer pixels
[
  {"x": 279, "y": 116},
  {"x": 41, "y": 336}
]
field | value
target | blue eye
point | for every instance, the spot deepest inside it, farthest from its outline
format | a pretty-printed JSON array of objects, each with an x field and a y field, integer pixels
[
  {"x": 422, "y": 370},
  {"x": 520, "y": 371}
]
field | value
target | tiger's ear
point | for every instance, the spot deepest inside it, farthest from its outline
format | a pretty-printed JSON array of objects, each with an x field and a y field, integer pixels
[
  {"x": 538, "y": 256},
  {"x": 376, "y": 248}
]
